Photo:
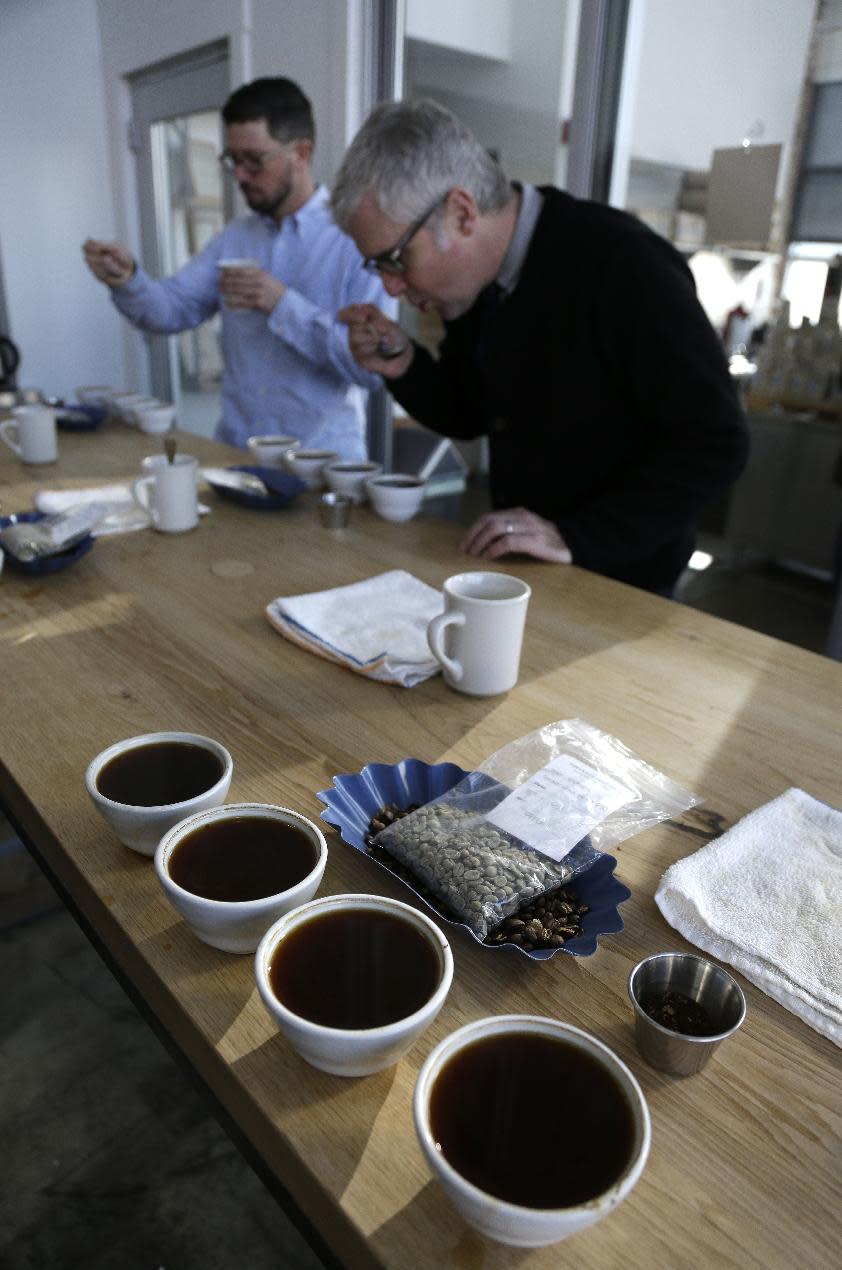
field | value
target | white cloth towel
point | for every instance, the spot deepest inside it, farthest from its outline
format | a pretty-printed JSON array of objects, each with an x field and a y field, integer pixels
[
  {"x": 123, "y": 515},
  {"x": 377, "y": 627},
  {"x": 767, "y": 898}
]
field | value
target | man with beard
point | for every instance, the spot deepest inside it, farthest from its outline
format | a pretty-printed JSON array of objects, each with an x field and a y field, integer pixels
[{"x": 287, "y": 365}]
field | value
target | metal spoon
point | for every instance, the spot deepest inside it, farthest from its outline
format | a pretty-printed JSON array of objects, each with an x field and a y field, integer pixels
[{"x": 170, "y": 444}]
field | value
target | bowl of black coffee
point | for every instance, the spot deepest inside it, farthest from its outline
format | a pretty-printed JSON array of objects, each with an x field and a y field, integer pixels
[
  {"x": 478, "y": 1101},
  {"x": 353, "y": 980},
  {"x": 232, "y": 871},
  {"x": 146, "y": 784}
]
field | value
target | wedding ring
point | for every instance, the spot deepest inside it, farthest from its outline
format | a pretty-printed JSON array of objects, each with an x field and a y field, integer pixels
[{"x": 508, "y": 528}]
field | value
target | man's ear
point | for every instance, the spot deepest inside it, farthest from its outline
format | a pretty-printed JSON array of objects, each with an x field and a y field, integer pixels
[
  {"x": 462, "y": 211},
  {"x": 303, "y": 148}
]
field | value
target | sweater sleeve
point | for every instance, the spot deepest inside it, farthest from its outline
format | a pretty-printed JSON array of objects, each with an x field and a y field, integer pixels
[
  {"x": 442, "y": 393},
  {"x": 657, "y": 341}
]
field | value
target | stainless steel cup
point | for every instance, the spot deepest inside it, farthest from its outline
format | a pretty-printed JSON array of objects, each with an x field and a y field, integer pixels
[
  {"x": 711, "y": 987},
  {"x": 334, "y": 510}
]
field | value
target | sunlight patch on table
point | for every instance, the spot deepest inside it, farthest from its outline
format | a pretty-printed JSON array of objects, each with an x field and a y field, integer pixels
[{"x": 106, "y": 611}]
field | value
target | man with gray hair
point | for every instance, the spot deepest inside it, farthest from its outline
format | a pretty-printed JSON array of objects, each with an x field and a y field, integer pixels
[{"x": 573, "y": 340}]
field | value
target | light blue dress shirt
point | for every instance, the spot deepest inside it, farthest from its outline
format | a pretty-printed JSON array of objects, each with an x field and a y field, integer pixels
[{"x": 288, "y": 371}]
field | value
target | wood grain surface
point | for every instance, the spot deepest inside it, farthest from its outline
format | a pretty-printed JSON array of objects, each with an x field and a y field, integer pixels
[{"x": 151, "y": 631}]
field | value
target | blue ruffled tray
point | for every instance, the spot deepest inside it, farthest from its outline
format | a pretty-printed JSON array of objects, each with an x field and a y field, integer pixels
[
  {"x": 355, "y": 797},
  {"x": 79, "y": 418},
  {"x": 282, "y": 486},
  {"x": 48, "y": 564}
]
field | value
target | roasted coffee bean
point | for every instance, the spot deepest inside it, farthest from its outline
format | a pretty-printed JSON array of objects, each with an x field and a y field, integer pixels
[{"x": 558, "y": 918}]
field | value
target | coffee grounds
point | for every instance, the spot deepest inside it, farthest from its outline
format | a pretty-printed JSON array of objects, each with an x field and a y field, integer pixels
[{"x": 679, "y": 1013}]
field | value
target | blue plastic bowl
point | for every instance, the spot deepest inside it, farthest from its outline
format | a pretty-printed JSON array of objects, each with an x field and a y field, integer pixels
[
  {"x": 354, "y": 798},
  {"x": 282, "y": 486},
  {"x": 49, "y": 564}
]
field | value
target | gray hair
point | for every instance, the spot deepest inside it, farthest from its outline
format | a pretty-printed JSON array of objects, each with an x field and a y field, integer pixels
[{"x": 407, "y": 153}]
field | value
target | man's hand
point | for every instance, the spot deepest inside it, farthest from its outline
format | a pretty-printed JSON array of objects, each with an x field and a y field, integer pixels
[
  {"x": 111, "y": 263},
  {"x": 249, "y": 288},
  {"x": 515, "y": 530},
  {"x": 376, "y": 343}
]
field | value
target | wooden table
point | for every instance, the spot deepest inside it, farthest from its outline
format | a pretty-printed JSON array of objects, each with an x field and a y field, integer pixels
[{"x": 154, "y": 632}]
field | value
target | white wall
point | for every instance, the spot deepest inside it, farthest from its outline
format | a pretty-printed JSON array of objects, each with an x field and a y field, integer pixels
[
  {"x": 483, "y": 27},
  {"x": 512, "y": 106},
  {"x": 708, "y": 71},
  {"x": 56, "y": 191},
  {"x": 67, "y": 169}
]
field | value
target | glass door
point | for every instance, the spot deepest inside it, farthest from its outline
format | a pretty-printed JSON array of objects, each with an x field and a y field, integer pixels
[{"x": 183, "y": 202}]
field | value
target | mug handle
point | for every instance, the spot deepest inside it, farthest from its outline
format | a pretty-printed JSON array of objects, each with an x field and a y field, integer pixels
[
  {"x": 5, "y": 427},
  {"x": 141, "y": 493},
  {"x": 435, "y": 638}
]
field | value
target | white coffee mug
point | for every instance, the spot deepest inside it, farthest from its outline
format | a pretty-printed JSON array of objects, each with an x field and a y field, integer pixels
[
  {"x": 271, "y": 450},
  {"x": 35, "y": 434},
  {"x": 482, "y": 629},
  {"x": 169, "y": 492}
]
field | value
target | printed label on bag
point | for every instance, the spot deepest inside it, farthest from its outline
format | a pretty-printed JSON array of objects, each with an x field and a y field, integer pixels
[{"x": 556, "y": 807}]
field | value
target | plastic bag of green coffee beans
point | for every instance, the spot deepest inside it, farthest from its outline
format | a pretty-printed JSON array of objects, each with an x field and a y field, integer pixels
[{"x": 530, "y": 818}]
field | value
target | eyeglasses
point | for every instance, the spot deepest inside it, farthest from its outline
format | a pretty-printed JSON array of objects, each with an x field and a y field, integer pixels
[
  {"x": 252, "y": 162},
  {"x": 390, "y": 261}
]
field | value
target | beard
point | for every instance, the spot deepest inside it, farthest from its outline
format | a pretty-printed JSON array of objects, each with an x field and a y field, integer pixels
[{"x": 268, "y": 204}]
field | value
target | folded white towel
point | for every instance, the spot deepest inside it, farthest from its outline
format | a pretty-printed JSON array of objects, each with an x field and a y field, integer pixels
[
  {"x": 377, "y": 627},
  {"x": 767, "y": 898},
  {"x": 123, "y": 514}
]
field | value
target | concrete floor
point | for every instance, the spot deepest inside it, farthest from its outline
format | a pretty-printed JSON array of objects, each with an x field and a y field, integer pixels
[{"x": 112, "y": 1160}]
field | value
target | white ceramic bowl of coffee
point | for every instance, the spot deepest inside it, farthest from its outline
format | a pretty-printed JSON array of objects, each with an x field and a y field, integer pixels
[
  {"x": 232, "y": 871},
  {"x": 123, "y": 404},
  {"x": 272, "y": 449},
  {"x": 146, "y": 784},
  {"x": 348, "y": 477},
  {"x": 478, "y": 1099},
  {"x": 309, "y": 465},
  {"x": 352, "y": 981},
  {"x": 396, "y": 496},
  {"x": 154, "y": 417}
]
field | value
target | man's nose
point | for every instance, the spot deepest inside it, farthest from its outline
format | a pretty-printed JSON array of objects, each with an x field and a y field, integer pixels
[{"x": 394, "y": 283}]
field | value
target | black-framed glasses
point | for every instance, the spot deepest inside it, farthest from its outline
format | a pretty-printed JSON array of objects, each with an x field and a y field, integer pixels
[
  {"x": 253, "y": 161},
  {"x": 390, "y": 261}
]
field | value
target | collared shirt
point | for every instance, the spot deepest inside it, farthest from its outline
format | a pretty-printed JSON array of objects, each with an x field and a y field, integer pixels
[
  {"x": 531, "y": 202},
  {"x": 288, "y": 371}
]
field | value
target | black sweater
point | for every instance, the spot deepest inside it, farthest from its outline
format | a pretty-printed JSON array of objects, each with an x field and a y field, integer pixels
[{"x": 603, "y": 389}]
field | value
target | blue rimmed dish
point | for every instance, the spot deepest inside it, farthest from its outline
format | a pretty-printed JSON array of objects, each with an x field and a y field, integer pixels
[
  {"x": 355, "y": 797},
  {"x": 44, "y": 564},
  {"x": 80, "y": 417},
  {"x": 282, "y": 487}
]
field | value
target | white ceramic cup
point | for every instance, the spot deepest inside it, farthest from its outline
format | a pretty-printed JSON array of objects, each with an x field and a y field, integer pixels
[
  {"x": 237, "y": 926},
  {"x": 346, "y": 1051},
  {"x": 271, "y": 450},
  {"x": 396, "y": 496},
  {"x": 309, "y": 465},
  {"x": 516, "y": 1224},
  {"x": 34, "y": 429},
  {"x": 142, "y": 827},
  {"x": 154, "y": 417},
  {"x": 123, "y": 404},
  {"x": 233, "y": 262},
  {"x": 95, "y": 395},
  {"x": 349, "y": 476},
  {"x": 169, "y": 492},
  {"x": 478, "y": 637}
]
